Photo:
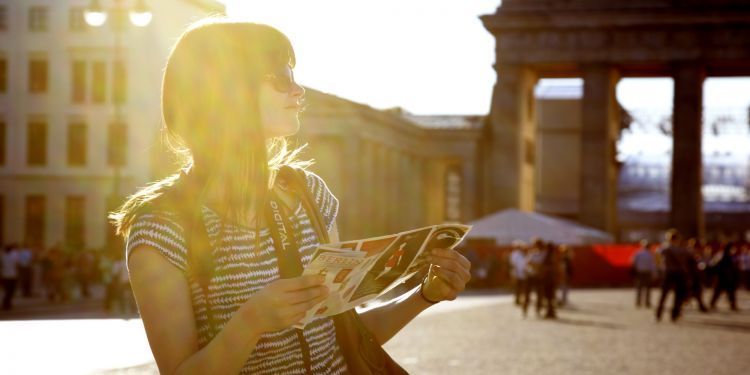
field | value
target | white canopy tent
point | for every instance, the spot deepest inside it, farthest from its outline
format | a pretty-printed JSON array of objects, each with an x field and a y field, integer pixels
[{"x": 512, "y": 225}]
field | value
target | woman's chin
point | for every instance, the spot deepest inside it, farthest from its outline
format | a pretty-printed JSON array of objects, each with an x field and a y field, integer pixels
[{"x": 284, "y": 130}]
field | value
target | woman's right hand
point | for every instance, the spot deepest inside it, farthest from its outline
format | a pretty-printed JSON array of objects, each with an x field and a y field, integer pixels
[{"x": 284, "y": 302}]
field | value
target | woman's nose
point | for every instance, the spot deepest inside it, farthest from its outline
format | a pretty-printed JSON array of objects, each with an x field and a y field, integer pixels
[{"x": 297, "y": 90}]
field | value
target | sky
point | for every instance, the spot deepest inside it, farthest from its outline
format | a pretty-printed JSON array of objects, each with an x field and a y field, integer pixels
[{"x": 426, "y": 56}]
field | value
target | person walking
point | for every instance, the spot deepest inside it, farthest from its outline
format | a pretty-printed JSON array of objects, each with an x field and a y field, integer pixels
[
  {"x": 25, "y": 271},
  {"x": 518, "y": 265},
  {"x": 548, "y": 277},
  {"x": 203, "y": 248},
  {"x": 644, "y": 271},
  {"x": 566, "y": 273},
  {"x": 534, "y": 258},
  {"x": 9, "y": 260},
  {"x": 727, "y": 276},
  {"x": 84, "y": 270},
  {"x": 675, "y": 259},
  {"x": 695, "y": 274}
]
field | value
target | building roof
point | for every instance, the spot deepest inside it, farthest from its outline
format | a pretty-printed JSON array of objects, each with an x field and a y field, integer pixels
[{"x": 446, "y": 121}]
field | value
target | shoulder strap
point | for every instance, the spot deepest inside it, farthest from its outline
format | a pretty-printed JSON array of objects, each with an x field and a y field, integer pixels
[{"x": 296, "y": 180}]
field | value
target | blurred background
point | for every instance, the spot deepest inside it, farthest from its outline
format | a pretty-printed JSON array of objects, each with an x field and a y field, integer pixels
[
  {"x": 586, "y": 123},
  {"x": 419, "y": 112}
]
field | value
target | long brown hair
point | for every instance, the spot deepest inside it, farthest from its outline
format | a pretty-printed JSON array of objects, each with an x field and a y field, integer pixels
[{"x": 211, "y": 120}]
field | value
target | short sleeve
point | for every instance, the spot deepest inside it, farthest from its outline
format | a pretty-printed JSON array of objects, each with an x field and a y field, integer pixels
[
  {"x": 160, "y": 231},
  {"x": 324, "y": 198}
]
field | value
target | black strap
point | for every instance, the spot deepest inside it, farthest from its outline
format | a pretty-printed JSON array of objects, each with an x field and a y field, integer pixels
[
  {"x": 285, "y": 239},
  {"x": 287, "y": 247}
]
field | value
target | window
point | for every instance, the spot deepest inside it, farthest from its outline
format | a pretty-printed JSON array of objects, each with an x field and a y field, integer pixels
[
  {"x": 77, "y": 136},
  {"x": 453, "y": 190},
  {"x": 37, "y": 75},
  {"x": 2, "y": 143},
  {"x": 35, "y": 220},
  {"x": 38, "y": 18},
  {"x": 78, "y": 93},
  {"x": 76, "y": 22},
  {"x": 36, "y": 143},
  {"x": 3, "y": 74},
  {"x": 74, "y": 221},
  {"x": 3, "y": 17},
  {"x": 117, "y": 144},
  {"x": 120, "y": 83},
  {"x": 99, "y": 81}
]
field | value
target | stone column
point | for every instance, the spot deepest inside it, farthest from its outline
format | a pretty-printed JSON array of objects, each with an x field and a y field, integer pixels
[
  {"x": 353, "y": 177},
  {"x": 687, "y": 165},
  {"x": 367, "y": 197},
  {"x": 600, "y": 123},
  {"x": 510, "y": 174}
]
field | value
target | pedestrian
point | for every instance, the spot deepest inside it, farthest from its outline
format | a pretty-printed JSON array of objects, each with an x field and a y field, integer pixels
[
  {"x": 643, "y": 265},
  {"x": 123, "y": 293},
  {"x": 55, "y": 270},
  {"x": 9, "y": 273},
  {"x": 566, "y": 273},
  {"x": 548, "y": 277},
  {"x": 518, "y": 263},
  {"x": 726, "y": 270},
  {"x": 200, "y": 249},
  {"x": 695, "y": 274},
  {"x": 534, "y": 258},
  {"x": 25, "y": 270},
  {"x": 108, "y": 279},
  {"x": 85, "y": 271},
  {"x": 675, "y": 260}
]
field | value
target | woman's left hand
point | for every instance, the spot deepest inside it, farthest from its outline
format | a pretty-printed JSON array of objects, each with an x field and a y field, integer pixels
[{"x": 449, "y": 273}]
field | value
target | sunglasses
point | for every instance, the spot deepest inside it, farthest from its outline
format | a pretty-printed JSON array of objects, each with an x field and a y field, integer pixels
[{"x": 282, "y": 82}]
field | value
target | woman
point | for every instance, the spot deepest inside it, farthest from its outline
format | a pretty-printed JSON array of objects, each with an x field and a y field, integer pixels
[{"x": 228, "y": 99}]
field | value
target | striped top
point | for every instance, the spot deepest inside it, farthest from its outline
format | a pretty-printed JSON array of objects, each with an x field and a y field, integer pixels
[{"x": 240, "y": 271}]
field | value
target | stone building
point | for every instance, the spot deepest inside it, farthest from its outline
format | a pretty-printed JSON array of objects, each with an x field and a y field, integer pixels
[
  {"x": 391, "y": 170},
  {"x": 602, "y": 41},
  {"x": 78, "y": 114}
]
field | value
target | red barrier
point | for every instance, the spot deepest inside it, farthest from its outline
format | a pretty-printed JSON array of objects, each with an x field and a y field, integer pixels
[{"x": 593, "y": 266}]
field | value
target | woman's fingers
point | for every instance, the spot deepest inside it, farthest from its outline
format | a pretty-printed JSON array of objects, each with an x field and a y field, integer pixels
[
  {"x": 452, "y": 254},
  {"x": 455, "y": 281},
  {"x": 304, "y": 295},
  {"x": 301, "y": 282},
  {"x": 451, "y": 263}
]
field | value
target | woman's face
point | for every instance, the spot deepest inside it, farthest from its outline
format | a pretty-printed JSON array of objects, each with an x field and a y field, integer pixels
[{"x": 280, "y": 103}]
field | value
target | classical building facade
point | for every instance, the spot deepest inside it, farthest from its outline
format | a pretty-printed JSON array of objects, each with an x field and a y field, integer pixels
[
  {"x": 77, "y": 126},
  {"x": 78, "y": 114},
  {"x": 391, "y": 170},
  {"x": 602, "y": 41}
]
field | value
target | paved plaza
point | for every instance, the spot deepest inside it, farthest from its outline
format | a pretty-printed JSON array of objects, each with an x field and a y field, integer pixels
[{"x": 480, "y": 333}]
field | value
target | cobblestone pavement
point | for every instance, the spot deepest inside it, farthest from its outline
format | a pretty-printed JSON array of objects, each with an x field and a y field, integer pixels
[{"x": 601, "y": 332}]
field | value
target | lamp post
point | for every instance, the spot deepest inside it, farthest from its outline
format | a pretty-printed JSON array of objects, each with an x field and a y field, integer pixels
[{"x": 139, "y": 15}]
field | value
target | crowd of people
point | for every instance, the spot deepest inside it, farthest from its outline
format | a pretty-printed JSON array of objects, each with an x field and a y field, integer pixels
[
  {"x": 540, "y": 268},
  {"x": 684, "y": 268},
  {"x": 60, "y": 275}
]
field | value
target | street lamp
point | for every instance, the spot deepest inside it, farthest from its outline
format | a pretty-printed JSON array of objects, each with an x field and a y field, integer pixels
[{"x": 139, "y": 15}]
